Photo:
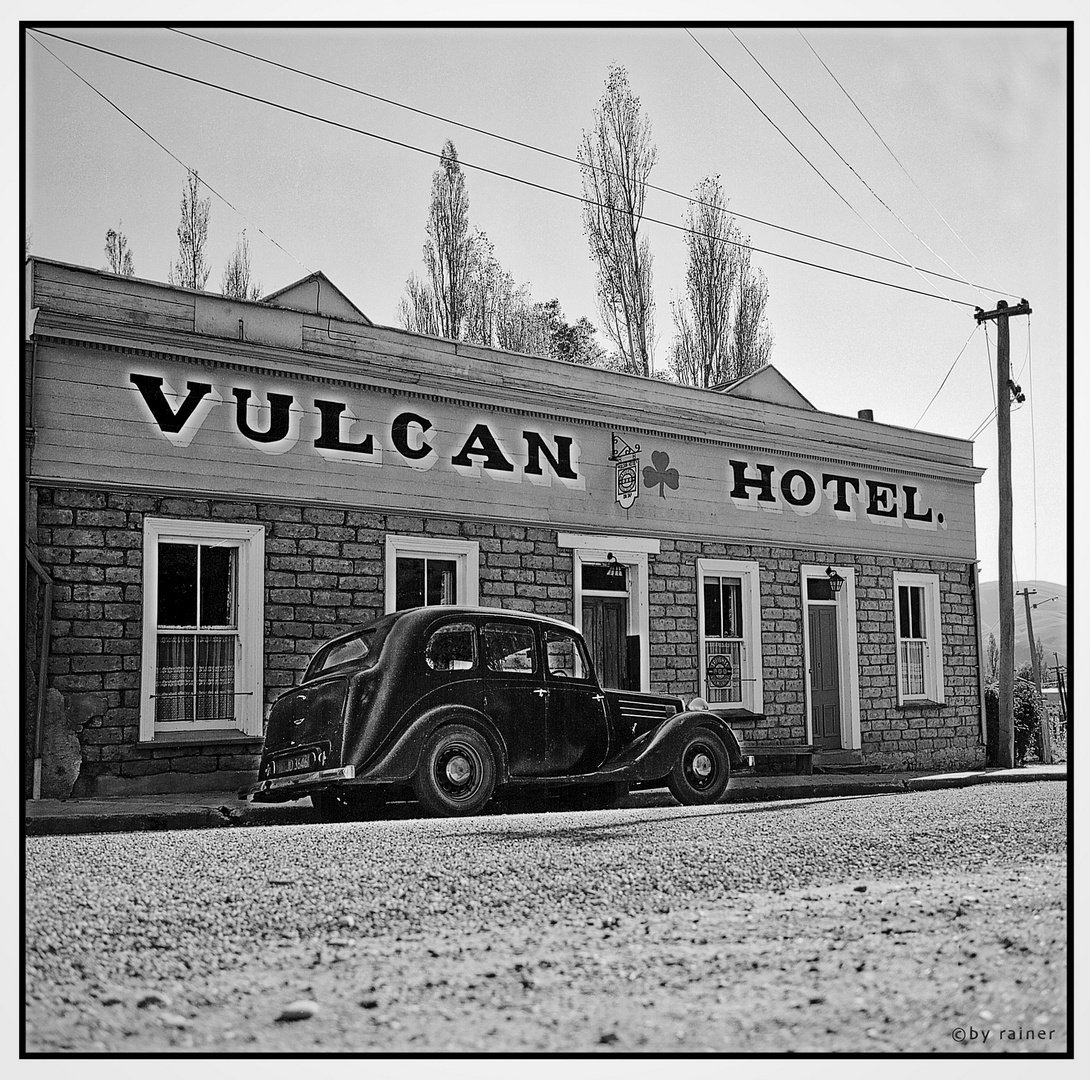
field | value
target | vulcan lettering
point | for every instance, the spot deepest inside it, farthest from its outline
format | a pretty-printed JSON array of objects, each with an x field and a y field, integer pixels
[
  {"x": 330, "y": 438},
  {"x": 482, "y": 444},
  {"x": 279, "y": 417},
  {"x": 560, "y": 462},
  {"x": 399, "y": 435}
]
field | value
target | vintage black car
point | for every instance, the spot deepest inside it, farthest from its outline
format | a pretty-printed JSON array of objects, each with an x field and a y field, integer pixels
[{"x": 456, "y": 703}]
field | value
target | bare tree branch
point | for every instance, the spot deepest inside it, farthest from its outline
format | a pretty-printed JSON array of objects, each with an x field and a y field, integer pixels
[
  {"x": 617, "y": 157},
  {"x": 191, "y": 270}
]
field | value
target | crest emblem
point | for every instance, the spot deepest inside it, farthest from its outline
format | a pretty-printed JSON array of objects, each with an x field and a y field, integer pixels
[{"x": 627, "y": 460}]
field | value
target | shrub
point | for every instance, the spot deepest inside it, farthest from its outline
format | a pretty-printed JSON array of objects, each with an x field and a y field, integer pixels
[{"x": 1027, "y": 719}]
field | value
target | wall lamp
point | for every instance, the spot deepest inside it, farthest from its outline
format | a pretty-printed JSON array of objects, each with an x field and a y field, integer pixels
[
  {"x": 613, "y": 568},
  {"x": 836, "y": 582}
]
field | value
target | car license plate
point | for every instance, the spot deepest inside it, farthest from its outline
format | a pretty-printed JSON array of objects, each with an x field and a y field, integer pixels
[{"x": 295, "y": 763}]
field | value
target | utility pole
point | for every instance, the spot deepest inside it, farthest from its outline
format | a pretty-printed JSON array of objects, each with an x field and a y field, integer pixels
[
  {"x": 1046, "y": 733},
  {"x": 1063, "y": 689},
  {"x": 1001, "y": 315}
]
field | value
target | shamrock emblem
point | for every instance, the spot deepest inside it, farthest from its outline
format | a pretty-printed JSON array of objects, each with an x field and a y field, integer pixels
[{"x": 659, "y": 473}]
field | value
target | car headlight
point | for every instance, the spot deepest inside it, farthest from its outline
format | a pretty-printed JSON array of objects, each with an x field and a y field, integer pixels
[{"x": 697, "y": 704}]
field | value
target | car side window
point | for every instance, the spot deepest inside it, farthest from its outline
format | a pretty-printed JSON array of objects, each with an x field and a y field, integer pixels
[
  {"x": 509, "y": 648},
  {"x": 452, "y": 648},
  {"x": 565, "y": 656}
]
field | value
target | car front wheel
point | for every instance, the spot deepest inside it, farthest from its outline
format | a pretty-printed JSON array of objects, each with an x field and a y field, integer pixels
[
  {"x": 702, "y": 770},
  {"x": 457, "y": 772}
]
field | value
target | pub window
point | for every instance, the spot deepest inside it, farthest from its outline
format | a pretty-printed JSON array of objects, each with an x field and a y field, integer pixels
[
  {"x": 202, "y": 649},
  {"x": 425, "y": 572},
  {"x": 919, "y": 640},
  {"x": 730, "y": 634},
  {"x": 424, "y": 582}
]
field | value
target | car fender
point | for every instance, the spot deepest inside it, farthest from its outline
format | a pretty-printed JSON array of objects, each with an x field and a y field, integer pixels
[
  {"x": 398, "y": 762},
  {"x": 653, "y": 756}
]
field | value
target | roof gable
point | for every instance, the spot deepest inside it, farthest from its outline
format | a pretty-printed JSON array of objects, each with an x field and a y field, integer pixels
[
  {"x": 766, "y": 384},
  {"x": 317, "y": 295}
]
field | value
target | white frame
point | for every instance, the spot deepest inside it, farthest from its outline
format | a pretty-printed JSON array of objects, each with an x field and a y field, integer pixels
[
  {"x": 934, "y": 682},
  {"x": 631, "y": 552},
  {"x": 847, "y": 648},
  {"x": 250, "y": 672},
  {"x": 466, "y": 553},
  {"x": 752, "y": 676}
]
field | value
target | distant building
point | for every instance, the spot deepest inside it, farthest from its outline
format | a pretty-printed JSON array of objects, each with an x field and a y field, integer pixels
[{"x": 215, "y": 486}]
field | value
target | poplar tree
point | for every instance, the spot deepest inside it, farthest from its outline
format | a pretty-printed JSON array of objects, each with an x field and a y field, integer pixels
[
  {"x": 191, "y": 270},
  {"x": 118, "y": 253},
  {"x": 617, "y": 156},
  {"x": 448, "y": 250},
  {"x": 721, "y": 331},
  {"x": 237, "y": 279}
]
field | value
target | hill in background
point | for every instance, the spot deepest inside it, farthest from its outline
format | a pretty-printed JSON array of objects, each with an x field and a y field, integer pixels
[{"x": 1049, "y": 621}]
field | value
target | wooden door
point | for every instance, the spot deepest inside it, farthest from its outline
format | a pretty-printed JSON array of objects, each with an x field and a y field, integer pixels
[
  {"x": 824, "y": 678},
  {"x": 605, "y": 626}
]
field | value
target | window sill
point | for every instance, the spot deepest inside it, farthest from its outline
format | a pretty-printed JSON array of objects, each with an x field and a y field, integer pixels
[
  {"x": 208, "y": 735},
  {"x": 917, "y": 703}
]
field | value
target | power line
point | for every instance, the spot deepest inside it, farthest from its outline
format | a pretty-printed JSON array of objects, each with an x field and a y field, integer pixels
[
  {"x": 570, "y": 160},
  {"x": 976, "y": 327},
  {"x": 501, "y": 175},
  {"x": 841, "y": 158},
  {"x": 169, "y": 153},
  {"x": 899, "y": 164}
]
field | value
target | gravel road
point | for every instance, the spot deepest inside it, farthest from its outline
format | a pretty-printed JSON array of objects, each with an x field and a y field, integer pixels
[{"x": 913, "y": 922}]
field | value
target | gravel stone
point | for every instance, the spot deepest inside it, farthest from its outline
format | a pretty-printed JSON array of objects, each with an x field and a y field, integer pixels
[{"x": 729, "y": 928}]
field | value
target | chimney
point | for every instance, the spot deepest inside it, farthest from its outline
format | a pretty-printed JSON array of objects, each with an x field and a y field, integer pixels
[{"x": 866, "y": 414}]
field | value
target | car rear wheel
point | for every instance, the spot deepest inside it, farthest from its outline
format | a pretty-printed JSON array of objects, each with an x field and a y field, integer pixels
[
  {"x": 702, "y": 770},
  {"x": 457, "y": 772}
]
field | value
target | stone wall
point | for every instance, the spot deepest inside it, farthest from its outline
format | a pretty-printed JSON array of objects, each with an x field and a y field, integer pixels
[
  {"x": 893, "y": 736},
  {"x": 324, "y": 572}
]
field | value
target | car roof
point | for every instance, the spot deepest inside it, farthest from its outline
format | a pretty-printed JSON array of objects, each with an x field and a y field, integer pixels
[{"x": 422, "y": 617}]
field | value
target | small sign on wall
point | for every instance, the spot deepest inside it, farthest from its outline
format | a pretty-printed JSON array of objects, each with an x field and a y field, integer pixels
[{"x": 627, "y": 473}]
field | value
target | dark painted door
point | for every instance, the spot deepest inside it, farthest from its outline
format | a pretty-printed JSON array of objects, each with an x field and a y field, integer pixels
[
  {"x": 515, "y": 696},
  {"x": 578, "y": 717},
  {"x": 605, "y": 628},
  {"x": 824, "y": 678}
]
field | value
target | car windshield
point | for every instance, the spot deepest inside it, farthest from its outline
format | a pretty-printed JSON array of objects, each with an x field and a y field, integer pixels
[{"x": 361, "y": 649}]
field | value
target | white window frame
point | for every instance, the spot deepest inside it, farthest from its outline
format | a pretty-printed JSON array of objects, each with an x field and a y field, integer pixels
[
  {"x": 631, "y": 552},
  {"x": 847, "y": 645},
  {"x": 934, "y": 683},
  {"x": 250, "y": 670},
  {"x": 752, "y": 675},
  {"x": 465, "y": 553}
]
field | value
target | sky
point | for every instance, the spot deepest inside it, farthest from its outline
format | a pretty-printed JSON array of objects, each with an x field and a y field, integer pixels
[{"x": 976, "y": 117}]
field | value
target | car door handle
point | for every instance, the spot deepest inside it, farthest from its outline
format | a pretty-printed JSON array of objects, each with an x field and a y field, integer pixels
[
  {"x": 542, "y": 693},
  {"x": 599, "y": 697}
]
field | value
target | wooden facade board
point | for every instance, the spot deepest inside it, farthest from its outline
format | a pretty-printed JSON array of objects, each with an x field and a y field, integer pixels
[
  {"x": 350, "y": 351},
  {"x": 94, "y": 425},
  {"x": 71, "y": 293}
]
